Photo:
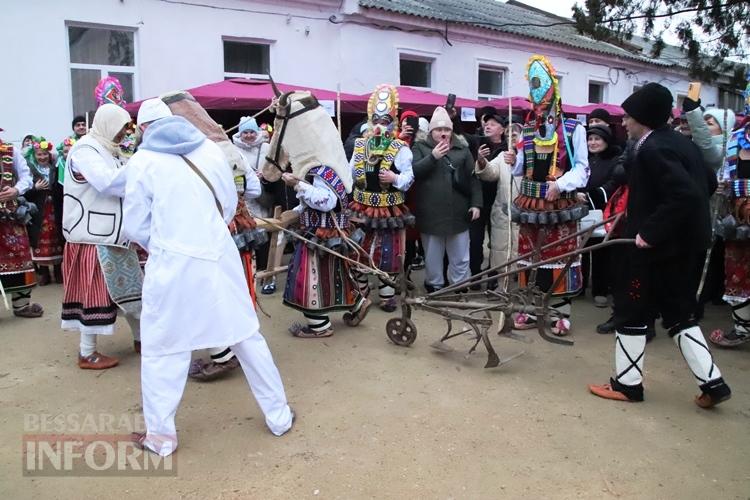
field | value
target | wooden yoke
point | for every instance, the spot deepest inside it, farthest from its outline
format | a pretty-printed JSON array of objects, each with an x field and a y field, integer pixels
[{"x": 276, "y": 251}]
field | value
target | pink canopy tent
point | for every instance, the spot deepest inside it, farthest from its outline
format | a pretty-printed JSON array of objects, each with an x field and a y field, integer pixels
[
  {"x": 246, "y": 94},
  {"x": 522, "y": 104},
  {"x": 613, "y": 109}
]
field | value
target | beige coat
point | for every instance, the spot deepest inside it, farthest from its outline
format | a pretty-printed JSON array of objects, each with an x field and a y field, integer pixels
[{"x": 498, "y": 170}]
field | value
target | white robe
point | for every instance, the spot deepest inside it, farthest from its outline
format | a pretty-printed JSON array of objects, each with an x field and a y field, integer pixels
[{"x": 194, "y": 293}]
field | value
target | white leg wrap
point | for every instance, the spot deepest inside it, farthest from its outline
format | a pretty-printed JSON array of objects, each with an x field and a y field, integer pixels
[
  {"x": 694, "y": 349},
  {"x": 629, "y": 352},
  {"x": 741, "y": 317},
  {"x": 386, "y": 292},
  {"x": 220, "y": 354}
]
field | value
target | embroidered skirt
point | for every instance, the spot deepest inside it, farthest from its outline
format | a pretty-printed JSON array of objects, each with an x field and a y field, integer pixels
[
  {"x": 16, "y": 266},
  {"x": 737, "y": 271},
  {"x": 49, "y": 248},
  {"x": 572, "y": 280},
  {"x": 318, "y": 282},
  {"x": 87, "y": 305}
]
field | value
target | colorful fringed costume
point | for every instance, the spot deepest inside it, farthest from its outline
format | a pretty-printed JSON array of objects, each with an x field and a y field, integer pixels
[
  {"x": 734, "y": 227},
  {"x": 378, "y": 205},
  {"x": 553, "y": 156}
]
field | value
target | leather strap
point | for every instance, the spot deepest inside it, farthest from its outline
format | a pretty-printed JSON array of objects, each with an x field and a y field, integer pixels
[{"x": 205, "y": 181}]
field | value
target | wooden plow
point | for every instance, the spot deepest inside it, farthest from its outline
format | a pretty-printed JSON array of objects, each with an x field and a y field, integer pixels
[{"x": 457, "y": 304}]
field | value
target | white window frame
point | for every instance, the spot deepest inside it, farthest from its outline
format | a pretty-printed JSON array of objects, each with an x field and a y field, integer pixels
[
  {"x": 253, "y": 41},
  {"x": 420, "y": 56},
  {"x": 605, "y": 89},
  {"x": 498, "y": 68},
  {"x": 104, "y": 69},
  {"x": 562, "y": 76}
]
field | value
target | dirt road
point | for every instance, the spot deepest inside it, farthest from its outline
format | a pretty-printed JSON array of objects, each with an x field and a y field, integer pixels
[{"x": 381, "y": 421}]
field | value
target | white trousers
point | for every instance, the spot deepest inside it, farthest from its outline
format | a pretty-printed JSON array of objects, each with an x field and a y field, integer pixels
[
  {"x": 163, "y": 381},
  {"x": 435, "y": 247}
]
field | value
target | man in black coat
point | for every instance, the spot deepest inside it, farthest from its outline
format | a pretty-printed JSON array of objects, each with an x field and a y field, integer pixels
[{"x": 668, "y": 216}]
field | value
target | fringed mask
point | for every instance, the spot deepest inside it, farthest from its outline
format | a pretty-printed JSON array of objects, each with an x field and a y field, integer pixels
[
  {"x": 544, "y": 95},
  {"x": 382, "y": 114},
  {"x": 109, "y": 90}
]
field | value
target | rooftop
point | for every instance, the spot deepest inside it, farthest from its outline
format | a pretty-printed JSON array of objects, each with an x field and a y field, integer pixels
[{"x": 512, "y": 18}]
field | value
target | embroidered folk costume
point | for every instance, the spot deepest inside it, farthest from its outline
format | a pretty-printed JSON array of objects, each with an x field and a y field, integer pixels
[
  {"x": 318, "y": 282},
  {"x": 553, "y": 160},
  {"x": 668, "y": 216},
  {"x": 45, "y": 231},
  {"x": 382, "y": 171},
  {"x": 99, "y": 271},
  {"x": 734, "y": 227},
  {"x": 17, "y": 276}
]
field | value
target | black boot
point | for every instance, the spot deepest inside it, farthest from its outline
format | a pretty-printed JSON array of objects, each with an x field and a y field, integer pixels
[{"x": 606, "y": 327}]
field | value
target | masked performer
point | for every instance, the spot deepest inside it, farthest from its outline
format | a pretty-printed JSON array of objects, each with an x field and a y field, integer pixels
[
  {"x": 381, "y": 166},
  {"x": 317, "y": 281},
  {"x": 553, "y": 161},
  {"x": 17, "y": 276},
  {"x": 735, "y": 229}
]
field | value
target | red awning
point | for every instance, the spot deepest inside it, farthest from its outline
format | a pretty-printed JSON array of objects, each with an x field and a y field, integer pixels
[{"x": 246, "y": 94}]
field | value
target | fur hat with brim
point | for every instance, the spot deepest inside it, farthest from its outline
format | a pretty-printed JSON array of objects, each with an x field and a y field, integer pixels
[
  {"x": 651, "y": 105},
  {"x": 440, "y": 119}
]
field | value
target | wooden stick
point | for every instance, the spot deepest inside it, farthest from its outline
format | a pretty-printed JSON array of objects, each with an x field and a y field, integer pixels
[{"x": 338, "y": 107}]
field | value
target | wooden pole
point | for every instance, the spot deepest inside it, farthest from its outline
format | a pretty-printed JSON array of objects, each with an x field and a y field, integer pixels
[{"x": 338, "y": 107}]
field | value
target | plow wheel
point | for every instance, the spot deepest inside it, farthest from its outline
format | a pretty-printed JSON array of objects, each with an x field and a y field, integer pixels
[{"x": 401, "y": 331}]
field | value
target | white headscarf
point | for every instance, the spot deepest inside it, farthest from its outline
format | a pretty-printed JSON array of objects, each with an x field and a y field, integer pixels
[{"x": 108, "y": 121}]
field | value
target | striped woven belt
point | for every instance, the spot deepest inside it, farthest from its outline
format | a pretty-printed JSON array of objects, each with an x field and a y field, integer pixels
[
  {"x": 372, "y": 199},
  {"x": 741, "y": 188},
  {"x": 534, "y": 189}
]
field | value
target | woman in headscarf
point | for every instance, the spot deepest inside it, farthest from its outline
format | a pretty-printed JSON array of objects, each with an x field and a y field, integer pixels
[{"x": 94, "y": 186}]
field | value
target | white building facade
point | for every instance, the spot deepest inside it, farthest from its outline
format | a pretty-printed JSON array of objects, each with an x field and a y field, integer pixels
[{"x": 56, "y": 52}]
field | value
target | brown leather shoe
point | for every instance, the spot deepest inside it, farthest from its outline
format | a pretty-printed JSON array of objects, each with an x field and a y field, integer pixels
[
  {"x": 607, "y": 392},
  {"x": 353, "y": 319},
  {"x": 205, "y": 371},
  {"x": 96, "y": 361}
]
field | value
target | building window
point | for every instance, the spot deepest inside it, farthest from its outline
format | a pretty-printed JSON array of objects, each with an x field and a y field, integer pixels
[
  {"x": 96, "y": 52},
  {"x": 596, "y": 92},
  {"x": 730, "y": 99},
  {"x": 560, "y": 83},
  {"x": 415, "y": 72},
  {"x": 491, "y": 82},
  {"x": 242, "y": 59}
]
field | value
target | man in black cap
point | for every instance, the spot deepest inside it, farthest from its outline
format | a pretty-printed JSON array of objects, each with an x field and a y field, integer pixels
[{"x": 669, "y": 218}]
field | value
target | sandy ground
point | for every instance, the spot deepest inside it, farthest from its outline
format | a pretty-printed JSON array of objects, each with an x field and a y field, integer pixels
[{"x": 381, "y": 421}]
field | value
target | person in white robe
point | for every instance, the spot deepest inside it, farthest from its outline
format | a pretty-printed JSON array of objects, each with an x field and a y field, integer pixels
[{"x": 194, "y": 292}]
